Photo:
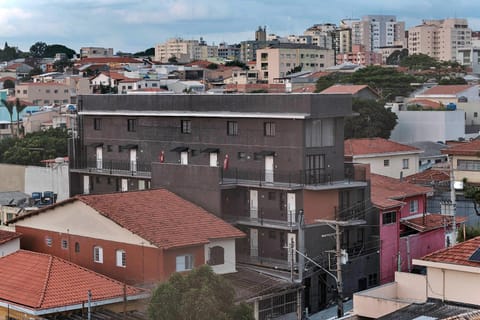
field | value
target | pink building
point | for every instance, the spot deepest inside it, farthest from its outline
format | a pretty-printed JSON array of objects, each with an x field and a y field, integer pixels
[
  {"x": 358, "y": 55},
  {"x": 407, "y": 231}
]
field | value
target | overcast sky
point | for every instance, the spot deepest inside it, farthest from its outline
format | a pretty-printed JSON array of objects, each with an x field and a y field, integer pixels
[{"x": 131, "y": 25}]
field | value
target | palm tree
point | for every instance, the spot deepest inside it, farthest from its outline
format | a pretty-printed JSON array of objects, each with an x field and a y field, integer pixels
[
  {"x": 19, "y": 106},
  {"x": 9, "y": 105}
]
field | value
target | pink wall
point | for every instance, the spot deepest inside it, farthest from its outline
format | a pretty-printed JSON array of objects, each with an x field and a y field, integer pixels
[
  {"x": 421, "y": 244},
  {"x": 388, "y": 248}
]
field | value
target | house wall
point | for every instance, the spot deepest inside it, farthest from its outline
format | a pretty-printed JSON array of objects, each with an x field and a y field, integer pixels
[
  {"x": 13, "y": 177},
  {"x": 453, "y": 285},
  {"x": 170, "y": 256},
  {"x": 413, "y": 126},
  {"x": 395, "y": 168},
  {"x": 418, "y": 245},
  {"x": 42, "y": 94},
  {"x": 389, "y": 234},
  {"x": 54, "y": 178},
  {"x": 471, "y": 176},
  {"x": 9, "y": 247},
  {"x": 229, "y": 257},
  {"x": 320, "y": 205}
]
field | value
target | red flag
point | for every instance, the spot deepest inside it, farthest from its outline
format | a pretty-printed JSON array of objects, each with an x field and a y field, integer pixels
[
  {"x": 225, "y": 162},
  {"x": 162, "y": 156}
]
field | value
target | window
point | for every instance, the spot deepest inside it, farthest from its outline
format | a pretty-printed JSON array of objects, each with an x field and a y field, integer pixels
[
  {"x": 121, "y": 258},
  {"x": 372, "y": 279},
  {"x": 48, "y": 241},
  {"x": 64, "y": 244},
  {"x": 98, "y": 254},
  {"x": 184, "y": 263},
  {"x": 109, "y": 148},
  {"x": 97, "y": 124},
  {"x": 132, "y": 125},
  {"x": 186, "y": 126},
  {"x": 468, "y": 165},
  {"x": 405, "y": 163},
  {"x": 386, "y": 163},
  {"x": 475, "y": 114},
  {"x": 269, "y": 129},
  {"x": 217, "y": 256},
  {"x": 232, "y": 128},
  {"x": 389, "y": 217},
  {"x": 413, "y": 206},
  {"x": 77, "y": 247},
  {"x": 320, "y": 133},
  {"x": 242, "y": 155}
]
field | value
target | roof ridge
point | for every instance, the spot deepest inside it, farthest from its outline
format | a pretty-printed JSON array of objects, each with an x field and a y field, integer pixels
[{"x": 43, "y": 294}]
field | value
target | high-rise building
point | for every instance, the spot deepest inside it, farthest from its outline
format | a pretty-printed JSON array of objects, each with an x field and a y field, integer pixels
[
  {"x": 375, "y": 31},
  {"x": 440, "y": 39},
  {"x": 322, "y": 35},
  {"x": 184, "y": 50}
]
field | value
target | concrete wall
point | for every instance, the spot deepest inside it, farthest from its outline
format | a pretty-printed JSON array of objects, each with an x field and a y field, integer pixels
[
  {"x": 10, "y": 247},
  {"x": 55, "y": 178},
  {"x": 229, "y": 255},
  {"x": 453, "y": 285},
  {"x": 13, "y": 177},
  {"x": 416, "y": 126},
  {"x": 471, "y": 175}
]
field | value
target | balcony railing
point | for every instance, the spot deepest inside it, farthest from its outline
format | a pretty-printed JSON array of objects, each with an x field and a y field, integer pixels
[
  {"x": 113, "y": 167},
  {"x": 260, "y": 221}
]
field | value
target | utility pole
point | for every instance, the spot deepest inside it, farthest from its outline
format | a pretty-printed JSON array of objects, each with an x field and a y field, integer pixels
[
  {"x": 89, "y": 312},
  {"x": 339, "y": 272},
  {"x": 454, "y": 203}
]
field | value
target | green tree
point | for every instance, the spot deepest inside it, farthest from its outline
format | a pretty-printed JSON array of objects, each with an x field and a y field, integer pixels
[
  {"x": 37, "y": 50},
  {"x": 19, "y": 106},
  {"x": 9, "y": 105},
  {"x": 373, "y": 120},
  {"x": 329, "y": 80},
  {"x": 8, "y": 84},
  {"x": 173, "y": 60},
  {"x": 199, "y": 295},
  {"x": 147, "y": 53},
  {"x": 419, "y": 62},
  {"x": 454, "y": 80},
  {"x": 236, "y": 63},
  {"x": 53, "y": 49},
  {"x": 60, "y": 65},
  {"x": 212, "y": 66},
  {"x": 396, "y": 56}
]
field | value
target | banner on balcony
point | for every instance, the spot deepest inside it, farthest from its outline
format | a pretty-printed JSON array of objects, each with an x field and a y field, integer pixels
[
  {"x": 162, "y": 156},
  {"x": 225, "y": 162}
]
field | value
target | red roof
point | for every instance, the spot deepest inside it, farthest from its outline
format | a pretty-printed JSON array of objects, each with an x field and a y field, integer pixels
[
  {"x": 429, "y": 176},
  {"x": 425, "y": 103},
  {"x": 114, "y": 75},
  {"x": 387, "y": 192},
  {"x": 471, "y": 148},
  {"x": 307, "y": 89},
  {"x": 6, "y": 236},
  {"x": 161, "y": 217},
  {"x": 458, "y": 254},
  {"x": 40, "y": 281},
  {"x": 107, "y": 60},
  {"x": 447, "y": 89},
  {"x": 431, "y": 221},
  {"x": 347, "y": 89},
  {"x": 365, "y": 146}
]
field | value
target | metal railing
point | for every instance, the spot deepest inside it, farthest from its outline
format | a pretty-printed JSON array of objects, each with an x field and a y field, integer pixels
[{"x": 113, "y": 167}]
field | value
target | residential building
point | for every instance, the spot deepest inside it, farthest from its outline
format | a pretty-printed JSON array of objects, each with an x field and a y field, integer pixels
[
  {"x": 9, "y": 242},
  {"x": 95, "y": 52},
  {"x": 57, "y": 287},
  {"x": 184, "y": 51},
  {"x": 385, "y": 157},
  {"x": 322, "y": 35},
  {"x": 344, "y": 35},
  {"x": 432, "y": 155},
  {"x": 271, "y": 164},
  {"x": 361, "y": 91},
  {"x": 376, "y": 31},
  {"x": 440, "y": 39},
  {"x": 139, "y": 237},
  {"x": 470, "y": 58},
  {"x": 277, "y": 61},
  {"x": 229, "y": 52},
  {"x": 443, "y": 290},
  {"x": 359, "y": 56},
  {"x": 407, "y": 231},
  {"x": 465, "y": 160}
]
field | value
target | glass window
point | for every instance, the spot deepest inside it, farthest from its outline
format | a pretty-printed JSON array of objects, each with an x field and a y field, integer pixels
[
  {"x": 269, "y": 129},
  {"x": 413, "y": 206},
  {"x": 468, "y": 165},
  {"x": 77, "y": 247},
  {"x": 64, "y": 244},
  {"x": 232, "y": 128},
  {"x": 386, "y": 163},
  {"x": 121, "y": 258},
  {"x": 98, "y": 254},
  {"x": 132, "y": 125},
  {"x": 186, "y": 126},
  {"x": 405, "y": 163},
  {"x": 217, "y": 256},
  {"x": 389, "y": 217},
  {"x": 184, "y": 263},
  {"x": 320, "y": 133},
  {"x": 97, "y": 124}
]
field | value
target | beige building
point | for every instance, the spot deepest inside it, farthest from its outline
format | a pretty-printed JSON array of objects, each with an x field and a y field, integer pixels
[
  {"x": 95, "y": 52},
  {"x": 376, "y": 31},
  {"x": 278, "y": 60},
  {"x": 440, "y": 39},
  {"x": 184, "y": 50}
]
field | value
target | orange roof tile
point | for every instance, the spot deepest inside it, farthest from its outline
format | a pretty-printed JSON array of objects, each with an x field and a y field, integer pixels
[
  {"x": 429, "y": 176},
  {"x": 426, "y": 103},
  {"x": 114, "y": 75},
  {"x": 367, "y": 146},
  {"x": 387, "y": 192},
  {"x": 431, "y": 221},
  {"x": 447, "y": 89},
  {"x": 6, "y": 236},
  {"x": 40, "y": 281},
  {"x": 161, "y": 217},
  {"x": 307, "y": 88},
  {"x": 471, "y": 148},
  {"x": 458, "y": 254},
  {"x": 110, "y": 60},
  {"x": 347, "y": 89}
]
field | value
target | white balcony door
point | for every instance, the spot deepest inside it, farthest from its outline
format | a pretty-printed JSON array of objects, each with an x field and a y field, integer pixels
[
  {"x": 184, "y": 157},
  {"x": 99, "y": 153},
  {"x": 86, "y": 184},
  {"x": 213, "y": 159},
  {"x": 124, "y": 185},
  {"x": 268, "y": 168},
  {"x": 292, "y": 254},
  {"x": 291, "y": 208},
  {"x": 253, "y": 242},
  {"x": 133, "y": 159},
  {"x": 253, "y": 204}
]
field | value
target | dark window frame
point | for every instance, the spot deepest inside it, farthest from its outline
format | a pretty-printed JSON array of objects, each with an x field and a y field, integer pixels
[
  {"x": 269, "y": 129},
  {"x": 131, "y": 125},
  {"x": 97, "y": 124},
  {"x": 232, "y": 128},
  {"x": 186, "y": 126},
  {"x": 389, "y": 217}
]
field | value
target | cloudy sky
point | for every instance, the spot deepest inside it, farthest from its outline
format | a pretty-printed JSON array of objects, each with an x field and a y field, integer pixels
[{"x": 132, "y": 25}]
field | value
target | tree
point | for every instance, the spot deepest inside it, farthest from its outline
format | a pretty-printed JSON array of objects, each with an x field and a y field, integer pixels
[
  {"x": 52, "y": 50},
  {"x": 236, "y": 63},
  {"x": 9, "y": 105},
  {"x": 37, "y": 50},
  {"x": 396, "y": 56},
  {"x": 173, "y": 60},
  {"x": 19, "y": 106},
  {"x": 329, "y": 80},
  {"x": 212, "y": 66},
  {"x": 454, "y": 80},
  {"x": 60, "y": 65},
  {"x": 8, "y": 84},
  {"x": 201, "y": 295},
  {"x": 374, "y": 120}
]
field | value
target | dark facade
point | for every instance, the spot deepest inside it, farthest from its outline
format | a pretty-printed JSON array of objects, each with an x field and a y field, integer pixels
[{"x": 272, "y": 164}]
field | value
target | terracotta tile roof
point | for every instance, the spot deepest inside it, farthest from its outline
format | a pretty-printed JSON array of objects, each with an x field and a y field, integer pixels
[
  {"x": 107, "y": 60},
  {"x": 430, "y": 176},
  {"x": 306, "y": 89},
  {"x": 6, "y": 236},
  {"x": 8, "y": 78},
  {"x": 389, "y": 192},
  {"x": 40, "y": 281},
  {"x": 347, "y": 89},
  {"x": 458, "y": 254},
  {"x": 471, "y": 148},
  {"x": 368, "y": 146},
  {"x": 114, "y": 75},
  {"x": 431, "y": 221},
  {"x": 425, "y": 103},
  {"x": 128, "y": 80},
  {"x": 161, "y": 217},
  {"x": 447, "y": 89}
]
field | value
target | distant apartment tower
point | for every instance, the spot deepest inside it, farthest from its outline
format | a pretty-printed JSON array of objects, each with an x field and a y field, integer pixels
[
  {"x": 95, "y": 52},
  {"x": 278, "y": 60},
  {"x": 184, "y": 51},
  {"x": 229, "y": 51},
  {"x": 261, "y": 34},
  {"x": 322, "y": 35},
  {"x": 375, "y": 31},
  {"x": 440, "y": 39},
  {"x": 248, "y": 48}
]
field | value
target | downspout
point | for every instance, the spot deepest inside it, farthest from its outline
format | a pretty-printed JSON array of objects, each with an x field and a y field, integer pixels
[{"x": 408, "y": 253}]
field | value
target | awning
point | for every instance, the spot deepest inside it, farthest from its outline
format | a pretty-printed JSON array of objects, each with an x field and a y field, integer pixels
[
  {"x": 97, "y": 144},
  {"x": 179, "y": 149},
  {"x": 265, "y": 153},
  {"x": 210, "y": 150}
]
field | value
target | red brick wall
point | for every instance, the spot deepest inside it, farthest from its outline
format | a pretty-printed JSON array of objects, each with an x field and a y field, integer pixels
[
  {"x": 171, "y": 255},
  {"x": 143, "y": 264}
]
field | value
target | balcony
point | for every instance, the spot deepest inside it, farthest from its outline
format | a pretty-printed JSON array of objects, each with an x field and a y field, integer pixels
[
  {"x": 114, "y": 168},
  {"x": 253, "y": 220}
]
